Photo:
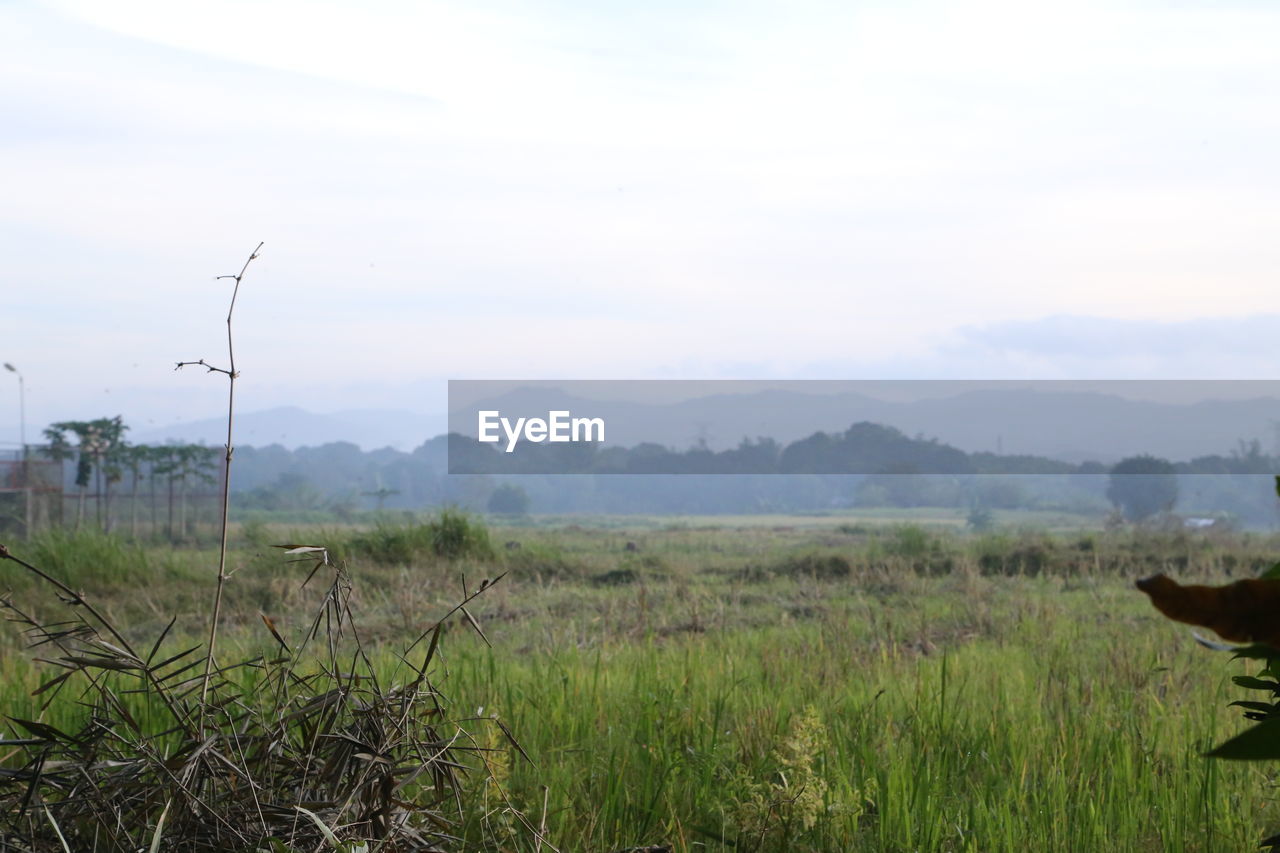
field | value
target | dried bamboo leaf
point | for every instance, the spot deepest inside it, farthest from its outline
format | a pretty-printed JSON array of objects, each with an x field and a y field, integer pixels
[{"x": 476, "y": 625}]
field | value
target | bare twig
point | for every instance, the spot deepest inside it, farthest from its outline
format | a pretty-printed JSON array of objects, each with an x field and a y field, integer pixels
[
  {"x": 313, "y": 730},
  {"x": 231, "y": 374},
  {"x": 375, "y": 761}
]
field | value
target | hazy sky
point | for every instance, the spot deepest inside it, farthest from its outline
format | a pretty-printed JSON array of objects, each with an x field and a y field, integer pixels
[{"x": 658, "y": 190}]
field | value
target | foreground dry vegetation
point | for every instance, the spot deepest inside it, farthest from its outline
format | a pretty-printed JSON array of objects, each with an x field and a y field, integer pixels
[{"x": 826, "y": 687}]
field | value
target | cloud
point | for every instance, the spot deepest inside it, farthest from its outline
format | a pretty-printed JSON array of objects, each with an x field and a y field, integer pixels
[
  {"x": 667, "y": 190},
  {"x": 1075, "y": 347},
  {"x": 1065, "y": 346},
  {"x": 1106, "y": 338}
]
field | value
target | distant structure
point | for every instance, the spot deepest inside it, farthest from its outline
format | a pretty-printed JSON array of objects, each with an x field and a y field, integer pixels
[{"x": 30, "y": 491}]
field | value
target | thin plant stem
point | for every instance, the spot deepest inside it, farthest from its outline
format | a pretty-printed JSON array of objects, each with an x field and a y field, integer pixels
[{"x": 231, "y": 375}]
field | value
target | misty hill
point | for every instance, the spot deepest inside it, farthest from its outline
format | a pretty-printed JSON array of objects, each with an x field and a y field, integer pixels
[
  {"x": 1069, "y": 426},
  {"x": 855, "y": 465},
  {"x": 293, "y": 427}
]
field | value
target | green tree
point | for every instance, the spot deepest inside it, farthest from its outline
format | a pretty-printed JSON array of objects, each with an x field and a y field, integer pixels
[
  {"x": 109, "y": 449},
  {"x": 134, "y": 458},
  {"x": 509, "y": 499},
  {"x": 1142, "y": 486},
  {"x": 981, "y": 519},
  {"x": 98, "y": 448},
  {"x": 194, "y": 462},
  {"x": 179, "y": 464},
  {"x": 380, "y": 493}
]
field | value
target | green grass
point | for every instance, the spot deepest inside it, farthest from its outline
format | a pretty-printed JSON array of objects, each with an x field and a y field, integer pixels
[
  {"x": 735, "y": 688},
  {"x": 1023, "y": 717}
]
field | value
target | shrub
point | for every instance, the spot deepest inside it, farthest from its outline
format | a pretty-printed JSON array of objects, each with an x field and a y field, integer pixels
[
  {"x": 390, "y": 544},
  {"x": 981, "y": 519},
  {"x": 544, "y": 561},
  {"x": 453, "y": 535},
  {"x": 909, "y": 540},
  {"x": 814, "y": 565},
  {"x": 509, "y": 499},
  {"x": 617, "y": 577}
]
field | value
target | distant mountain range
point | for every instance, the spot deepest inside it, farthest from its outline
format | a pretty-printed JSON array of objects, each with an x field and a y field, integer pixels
[
  {"x": 1069, "y": 426},
  {"x": 293, "y": 427}
]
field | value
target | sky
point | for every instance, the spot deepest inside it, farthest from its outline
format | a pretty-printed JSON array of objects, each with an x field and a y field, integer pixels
[{"x": 692, "y": 190}]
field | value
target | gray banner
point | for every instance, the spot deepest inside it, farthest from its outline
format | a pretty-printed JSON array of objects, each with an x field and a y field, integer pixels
[{"x": 883, "y": 427}]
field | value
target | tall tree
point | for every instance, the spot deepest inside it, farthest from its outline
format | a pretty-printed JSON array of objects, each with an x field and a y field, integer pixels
[
  {"x": 1142, "y": 486},
  {"x": 108, "y": 457},
  {"x": 96, "y": 451},
  {"x": 135, "y": 458},
  {"x": 62, "y": 449},
  {"x": 194, "y": 462}
]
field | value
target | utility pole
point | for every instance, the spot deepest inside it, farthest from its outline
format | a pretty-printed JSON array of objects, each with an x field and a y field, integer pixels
[
  {"x": 22, "y": 409},
  {"x": 22, "y": 459}
]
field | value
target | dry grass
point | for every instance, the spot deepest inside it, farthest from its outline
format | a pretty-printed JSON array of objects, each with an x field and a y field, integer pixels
[{"x": 305, "y": 748}]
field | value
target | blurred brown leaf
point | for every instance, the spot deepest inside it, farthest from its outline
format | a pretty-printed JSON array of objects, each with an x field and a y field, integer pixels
[{"x": 1247, "y": 611}]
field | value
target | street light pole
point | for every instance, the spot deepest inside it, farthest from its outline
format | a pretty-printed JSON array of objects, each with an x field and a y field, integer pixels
[
  {"x": 22, "y": 436},
  {"x": 22, "y": 409}
]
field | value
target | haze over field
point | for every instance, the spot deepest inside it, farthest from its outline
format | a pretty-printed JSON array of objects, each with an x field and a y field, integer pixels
[
  {"x": 776, "y": 616},
  {"x": 694, "y": 190},
  {"x": 1042, "y": 418}
]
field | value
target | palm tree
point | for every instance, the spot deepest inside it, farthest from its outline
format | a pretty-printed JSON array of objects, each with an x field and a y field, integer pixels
[
  {"x": 194, "y": 461},
  {"x": 109, "y": 449},
  {"x": 97, "y": 450},
  {"x": 134, "y": 457},
  {"x": 179, "y": 463},
  {"x": 61, "y": 449},
  {"x": 166, "y": 465},
  {"x": 380, "y": 493}
]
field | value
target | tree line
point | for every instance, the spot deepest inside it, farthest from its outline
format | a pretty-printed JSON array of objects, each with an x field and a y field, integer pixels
[
  {"x": 155, "y": 481},
  {"x": 864, "y": 448},
  {"x": 870, "y": 465}
]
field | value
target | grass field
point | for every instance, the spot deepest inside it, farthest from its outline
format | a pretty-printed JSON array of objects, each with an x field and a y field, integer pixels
[
  {"x": 814, "y": 683},
  {"x": 934, "y": 517}
]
